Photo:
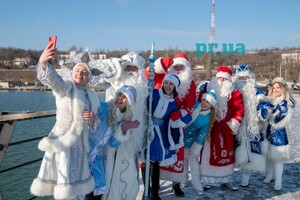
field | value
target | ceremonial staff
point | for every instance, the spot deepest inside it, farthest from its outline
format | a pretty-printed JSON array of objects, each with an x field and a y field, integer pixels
[{"x": 150, "y": 125}]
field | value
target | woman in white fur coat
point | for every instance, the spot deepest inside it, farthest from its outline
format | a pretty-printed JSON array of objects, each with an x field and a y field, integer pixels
[
  {"x": 64, "y": 171},
  {"x": 277, "y": 133},
  {"x": 120, "y": 161}
]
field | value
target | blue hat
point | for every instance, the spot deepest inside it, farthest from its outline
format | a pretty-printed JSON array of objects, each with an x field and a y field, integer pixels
[
  {"x": 211, "y": 97},
  {"x": 130, "y": 92},
  {"x": 243, "y": 70}
]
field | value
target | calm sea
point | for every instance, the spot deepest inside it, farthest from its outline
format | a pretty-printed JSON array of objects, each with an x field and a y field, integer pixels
[{"x": 15, "y": 184}]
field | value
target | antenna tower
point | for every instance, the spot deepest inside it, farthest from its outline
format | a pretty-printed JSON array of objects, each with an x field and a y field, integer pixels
[{"x": 212, "y": 39}]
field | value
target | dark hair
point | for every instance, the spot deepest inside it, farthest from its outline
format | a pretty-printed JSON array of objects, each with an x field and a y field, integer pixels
[{"x": 175, "y": 94}]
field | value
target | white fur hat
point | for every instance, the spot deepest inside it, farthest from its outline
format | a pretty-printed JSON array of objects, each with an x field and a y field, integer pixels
[
  {"x": 85, "y": 65},
  {"x": 133, "y": 58},
  {"x": 211, "y": 97},
  {"x": 173, "y": 78},
  {"x": 129, "y": 91}
]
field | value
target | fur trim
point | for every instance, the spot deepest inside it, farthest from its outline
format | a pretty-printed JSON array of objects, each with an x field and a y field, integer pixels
[
  {"x": 285, "y": 121},
  {"x": 223, "y": 75},
  {"x": 78, "y": 126},
  {"x": 280, "y": 153},
  {"x": 262, "y": 98},
  {"x": 264, "y": 147},
  {"x": 234, "y": 125},
  {"x": 168, "y": 161},
  {"x": 59, "y": 144},
  {"x": 41, "y": 188},
  {"x": 158, "y": 66},
  {"x": 120, "y": 136},
  {"x": 241, "y": 154},
  {"x": 63, "y": 191},
  {"x": 257, "y": 163}
]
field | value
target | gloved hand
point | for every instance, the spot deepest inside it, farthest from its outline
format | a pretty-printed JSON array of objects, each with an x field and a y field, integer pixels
[
  {"x": 129, "y": 125},
  {"x": 111, "y": 68},
  {"x": 203, "y": 87},
  {"x": 175, "y": 115}
]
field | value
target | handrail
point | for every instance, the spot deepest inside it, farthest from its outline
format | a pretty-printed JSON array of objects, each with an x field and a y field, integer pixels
[
  {"x": 8, "y": 117},
  {"x": 7, "y": 125}
]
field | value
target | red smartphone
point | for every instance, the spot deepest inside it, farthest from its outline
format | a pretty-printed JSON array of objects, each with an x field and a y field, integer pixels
[{"x": 52, "y": 42}]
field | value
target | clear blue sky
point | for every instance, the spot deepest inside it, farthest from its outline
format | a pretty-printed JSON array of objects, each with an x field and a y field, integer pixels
[{"x": 135, "y": 24}]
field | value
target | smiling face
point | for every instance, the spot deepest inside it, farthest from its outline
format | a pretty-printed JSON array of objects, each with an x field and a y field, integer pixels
[
  {"x": 121, "y": 101},
  {"x": 277, "y": 91},
  {"x": 168, "y": 87},
  {"x": 205, "y": 105},
  {"x": 80, "y": 75}
]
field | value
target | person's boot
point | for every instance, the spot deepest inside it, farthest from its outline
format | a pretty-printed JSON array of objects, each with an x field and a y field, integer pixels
[
  {"x": 195, "y": 173},
  {"x": 231, "y": 186},
  {"x": 143, "y": 170},
  {"x": 155, "y": 173},
  {"x": 278, "y": 169},
  {"x": 245, "y": 178},
  {"x": 270, "y": 172},
  {"x": 177, "y": 190}
]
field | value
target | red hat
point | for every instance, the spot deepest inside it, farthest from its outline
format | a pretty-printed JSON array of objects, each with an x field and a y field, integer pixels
[
  {"x": 161, "y": 64},
  {"x": 181, "y": 59},
  {"x": 224, "y": 72}
]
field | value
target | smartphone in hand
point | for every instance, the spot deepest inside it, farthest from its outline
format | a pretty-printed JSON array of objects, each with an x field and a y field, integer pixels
[{"x": 52, "y": 42}]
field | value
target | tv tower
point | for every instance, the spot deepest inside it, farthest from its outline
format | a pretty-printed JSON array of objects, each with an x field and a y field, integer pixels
[{"x": 212, "y": 39}]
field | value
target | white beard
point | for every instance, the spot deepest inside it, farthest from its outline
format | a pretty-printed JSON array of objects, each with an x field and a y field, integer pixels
[
  {"x": 223, "y": 91},
  {"x": 251, "y": 119},
  {"x": 185, "y": 77}
]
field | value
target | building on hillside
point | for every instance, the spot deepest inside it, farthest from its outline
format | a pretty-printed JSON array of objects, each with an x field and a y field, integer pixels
[{"x": 290, "y": 58}]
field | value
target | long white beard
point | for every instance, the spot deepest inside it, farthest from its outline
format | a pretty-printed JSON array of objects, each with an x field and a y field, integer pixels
[
  {"x": 251, "y": 119},
  {"x": 223, "y": 91},
  {"x": 185, "y": 78}
]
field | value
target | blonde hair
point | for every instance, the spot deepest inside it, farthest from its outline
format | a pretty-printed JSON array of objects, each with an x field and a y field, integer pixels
[
  {"x": 211, "y": 119},
  {"x": 285, "y": 92}
]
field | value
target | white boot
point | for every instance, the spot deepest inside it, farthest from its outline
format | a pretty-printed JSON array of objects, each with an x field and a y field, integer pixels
[
  {"x": 195, "y": 167},
  {"x": 270, "y": 172},
  {"x": 185, "y": 183},
  {"x": 245, "y": 178},
  {"x": 278, "y": 169}
]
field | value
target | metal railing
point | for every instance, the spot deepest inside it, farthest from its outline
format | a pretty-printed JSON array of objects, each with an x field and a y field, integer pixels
[{"x": 8, "y": 121}]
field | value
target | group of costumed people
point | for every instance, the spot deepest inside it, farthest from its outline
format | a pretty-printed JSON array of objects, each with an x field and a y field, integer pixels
[{"x": 95, "y": 149}]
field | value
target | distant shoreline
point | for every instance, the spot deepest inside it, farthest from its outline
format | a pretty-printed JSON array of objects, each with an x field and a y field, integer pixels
[{"x": 23, "y": 88}]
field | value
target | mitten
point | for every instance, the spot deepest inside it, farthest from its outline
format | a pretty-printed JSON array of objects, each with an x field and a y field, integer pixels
[
  {"x": 203, "y": 87},
  {"x": 175, "y": 115}
]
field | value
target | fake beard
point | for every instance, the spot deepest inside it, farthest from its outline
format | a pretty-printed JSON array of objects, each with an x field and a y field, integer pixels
[
  {"x": 185, "y": 78},
  {"x": 223, "y": 91},
  {"x": 251, "y": 119}
]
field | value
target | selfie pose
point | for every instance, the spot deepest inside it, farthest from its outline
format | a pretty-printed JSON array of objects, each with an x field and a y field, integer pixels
[{"x": 64, "y": 171}]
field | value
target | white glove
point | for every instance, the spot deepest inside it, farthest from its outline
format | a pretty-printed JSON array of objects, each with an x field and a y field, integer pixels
[{"x": 111, "y": 69}]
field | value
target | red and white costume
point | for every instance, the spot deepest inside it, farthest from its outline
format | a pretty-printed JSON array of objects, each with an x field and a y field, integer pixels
[{"x": 217, "y": 159}]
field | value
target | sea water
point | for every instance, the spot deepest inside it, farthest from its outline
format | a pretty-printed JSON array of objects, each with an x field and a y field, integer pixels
[{"x": 15, "y": 184}]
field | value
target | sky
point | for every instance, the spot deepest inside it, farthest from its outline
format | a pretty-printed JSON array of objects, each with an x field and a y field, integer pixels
[{"x": 136, "y": 24}]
